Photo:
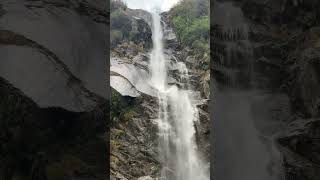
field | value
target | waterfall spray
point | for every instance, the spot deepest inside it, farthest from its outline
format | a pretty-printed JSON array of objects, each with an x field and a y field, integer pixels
[{"x": 177, "y": 115}]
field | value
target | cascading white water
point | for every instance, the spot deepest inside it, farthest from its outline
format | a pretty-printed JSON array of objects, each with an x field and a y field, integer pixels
[
  {"x": 177, "y": 115},
  {"x": 157, "y": 64}
]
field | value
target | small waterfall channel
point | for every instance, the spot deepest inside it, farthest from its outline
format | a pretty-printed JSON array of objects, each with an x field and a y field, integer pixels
[{"x": 176, "y": 117}]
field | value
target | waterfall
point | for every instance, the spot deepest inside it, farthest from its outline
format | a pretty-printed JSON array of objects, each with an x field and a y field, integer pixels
[
  {"x": 177, "y": 114},
  {"x": 158, "y": 64},
  {"x": 243, "y": 149}
]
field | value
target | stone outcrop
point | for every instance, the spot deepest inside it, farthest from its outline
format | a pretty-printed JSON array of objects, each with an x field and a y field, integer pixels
[{"x": 133, "y": 104}]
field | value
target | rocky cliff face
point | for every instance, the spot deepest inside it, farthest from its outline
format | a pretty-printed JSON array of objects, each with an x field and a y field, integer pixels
[
  {"x": 53, "y": 89},
  {"x": 134, "y": 147},
  {"x": 133, "y": 105},
  {"x": 283, "y": 58}
]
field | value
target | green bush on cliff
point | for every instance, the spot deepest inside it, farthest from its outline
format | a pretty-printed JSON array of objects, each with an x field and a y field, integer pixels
[
  {"x": 120, "y": 23},
  {"x": 191, "y": 8},
  {"x": 201, "y": 47},
  {"x": 190, "y": 20},
  {"x": 129, "y": 115},
  {"x": 123, "y": 108},
  {"x": 125, "y": 28},
  {"x": 190, "y": 31},
  {"x": 116, "y": 37}
]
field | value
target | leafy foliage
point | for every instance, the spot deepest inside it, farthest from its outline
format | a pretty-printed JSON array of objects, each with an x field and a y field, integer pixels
[
  {"x": 125, "y": 28},
  {"x": 191, "y": 30},
  {"x": 190, "y": 19},
  {"x": 120, "y": 22},
  {"x": 116, "y": 37},
  {"x": 123, "y": 108}
]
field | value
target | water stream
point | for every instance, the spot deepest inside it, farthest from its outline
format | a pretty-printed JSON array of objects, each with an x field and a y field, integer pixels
[
  {"x": 241, "y": 150},
  {"x": 177, "y": 114}
]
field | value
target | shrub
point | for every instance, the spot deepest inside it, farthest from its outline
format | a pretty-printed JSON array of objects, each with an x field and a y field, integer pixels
[
  {"x": 191, "y": 24},
  {"x": 117, "y": 4},
  {"x": 120, "y": 21},
  {"x": 115, "y": 37},
  {"x": 201, "y": 47},
  {"x": 129, "y": 115}
]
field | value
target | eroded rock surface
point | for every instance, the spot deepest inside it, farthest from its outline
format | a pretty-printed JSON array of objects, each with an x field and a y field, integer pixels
[{"x": 53, "y": 89}]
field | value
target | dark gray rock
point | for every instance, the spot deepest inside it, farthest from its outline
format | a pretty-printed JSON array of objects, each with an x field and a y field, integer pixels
[
  {"x": 283, "y": 37},
  {"x": 53, "y": 91},
  {"x": 73, "y": 59}
]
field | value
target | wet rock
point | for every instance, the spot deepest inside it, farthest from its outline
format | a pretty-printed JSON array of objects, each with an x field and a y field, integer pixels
[
  {"x": 142, "y": 14},
  {"x": 123, "y": 86},
  {"x": 301, "y": 149},
  {"x": 284, "y": 37},
  {"x": 305, "y": 88},
  {"x": 134, "y": 75}
]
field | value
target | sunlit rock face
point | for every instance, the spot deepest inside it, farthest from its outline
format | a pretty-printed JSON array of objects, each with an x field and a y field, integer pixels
[
  {"x": 129, "y": 58},
  {"x": 66, "y": 41},
  {"x": 132, "y": 74}
]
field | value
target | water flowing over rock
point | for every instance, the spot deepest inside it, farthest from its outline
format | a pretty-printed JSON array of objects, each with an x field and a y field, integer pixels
[
  {"x": 179, "y": 156},
  {"x": 279, "y": 77},
  {"x": 157, "y": 89}
]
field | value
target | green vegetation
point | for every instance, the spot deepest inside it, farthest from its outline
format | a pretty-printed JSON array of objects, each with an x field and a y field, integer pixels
[
  {"x": 129, "y": 115},
  {"x": 120, "y": 22},
  {"x": 123, "y": 108},
  {"x": 124, "y": 28},
  {"x": 118, "y": 133},
  {"x": 190, "y": 19}
]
